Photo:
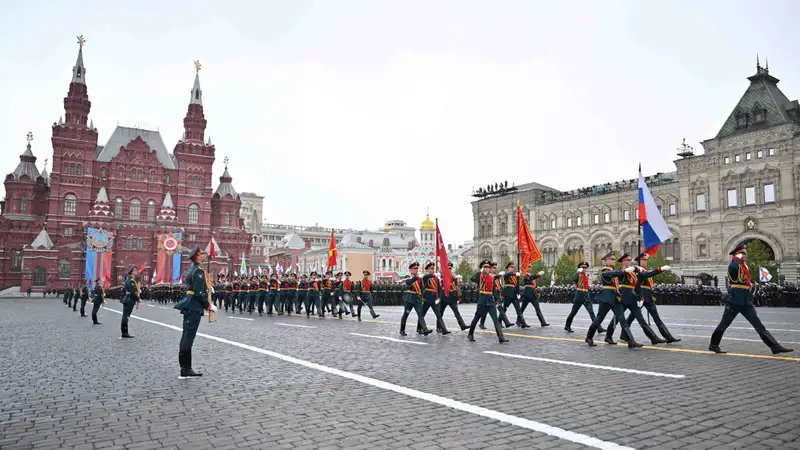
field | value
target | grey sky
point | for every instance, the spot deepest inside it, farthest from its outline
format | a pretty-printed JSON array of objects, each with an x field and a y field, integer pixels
[{"x": 344, "y": 113}]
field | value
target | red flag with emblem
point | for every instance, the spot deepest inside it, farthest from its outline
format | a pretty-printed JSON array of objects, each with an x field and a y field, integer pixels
[
  {"x": 332, "y": 252},
  {"x": 528, "y": 251},
  {"x": 441, "y": 253}
]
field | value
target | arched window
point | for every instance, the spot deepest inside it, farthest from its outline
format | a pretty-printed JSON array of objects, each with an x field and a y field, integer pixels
[
  {"x": 72, "y": 169},
  {"x": 70, "y": 204},
  {"x": 139, "y": 243},
  {"x": 194, "y": 213},
  {"x": 167, "y": 179},
  {"x": 23, "y": 205},
  {"x": 227, "y": 218},
  {"x": 39, "y": 276},
  {"x": 676, "y": 249},
  {"x": 383, "y": 263},
  {"x": 64, "y": 268},
  {"x": 153, "y": 176},
  {"x": 118, "y": 208},
  {"x": 151, "y": 211},
  {"x": 121, "y": 173},
  {"x": 79, "y": 170},
  {"x": 129, "y": 243},
  {"x": 16, "y": 260},
  {"x": 135, "y": 211},
  {"x": 103, "y": 172}
]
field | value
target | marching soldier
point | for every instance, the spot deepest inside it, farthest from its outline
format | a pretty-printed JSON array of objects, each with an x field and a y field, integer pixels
[
  {"x": 531, "y": 296},
  {"x": 291, "y": 293},
  {"x": 313, "y": 297},
  {"x": 609, "y": 299},
  {"x": 487, "y": 303},
  {"x": 272, "y": 294},
  {"x": 84, "y": 297},
  {"x": 236, "y": 291},
  {"x": 581, "y": 280},
  {"x": 244, "y": 294},
  {"x": 263, "y": 287},
  {"x": 282, "y": 293},
  {"x": 228, "y": 294},
  {"x": 740, "y": 301},
  {"x": 97, "y": 300},
  {"x": 75, "y": 295},
  {"x": 496, "y": 291},
  {"x": 510, "y": 291},
  {"x": 452, "y": 299},
  {"x": 632, "y": 302},
  {"x": 365, "y": 295},
  {"x": 302, "y": 295},
  {"x": 65, "y": 293},
  {"x": 251, "y": 304},
  {"x": 196, "y": 300},
  {"x": 337, "y": 294},
  {"x": 130, "y": 300},
  {"x": 431, "y": 299},
  {"x": 347, "y": 294},
  {"x": 412, "y": 299},
  {"x": 645, "y": 288},
  {"x": 327, "y": 294}
]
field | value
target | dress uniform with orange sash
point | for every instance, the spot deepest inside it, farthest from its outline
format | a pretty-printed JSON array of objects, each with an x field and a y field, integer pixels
[
  {"x": 487, "y": 303},
  {"x": 430, "y": 296},
  {"x": 365, "y": 295},
  {"x": 581, "y": 280},
  {"x": 313, "y": 297},
  {"x": 272, "y": 294},
  {"x": 740, "y": 301},
  {"x": 412, "y": 299},
  {"x": 609, "y": 300},
  {"x": 531, "y": 296},
  {"x": 497, "y": 290},
  {"x": 645, "y": 289},
  {"x": 632, "y": 302},
  {"x": 451, "y": 300},
  {"x": 302, "y": 294},
  {"x": 263, "y": 288},
  {"x": 327, "y": 294},
  {"x": 228, "y": 294},
  {"x": 510, "y": 292}
]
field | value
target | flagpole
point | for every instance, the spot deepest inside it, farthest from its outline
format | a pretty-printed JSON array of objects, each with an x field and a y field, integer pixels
[
  {"x": 436, "y": 243},
  {"x": 639, "y": 230}
]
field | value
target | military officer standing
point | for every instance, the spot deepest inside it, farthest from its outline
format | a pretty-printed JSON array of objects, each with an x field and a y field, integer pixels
[
  {"x": 740, "y": 301},
  {"x": 97, "y": 300},
  {"x": 130, "y": 299},
  {"x": 75, "y": 295},
  {"x": 487, "y": 303},
  {"x": 581, "y": 280},
  {"x": 84, "y": 297},
  {"x": 196, "y": 300},
  {"x": 609, "y": 299},
  {"x": 645, "y": 288},
  {"x": 365, "y": 295},
  {"x": 412, "y": 299},
  {"x": 452, "y": 299},
  {"x": 530, "y": 296}
]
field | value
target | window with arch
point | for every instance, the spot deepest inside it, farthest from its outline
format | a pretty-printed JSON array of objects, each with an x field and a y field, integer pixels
[
  {"x": 579, "y": 220},
  {"x": 151, "y": 210},
  {"x": 194, "y": 213},
  {"x": 103, "y": 172},
  {"x": 139, "y": 243},
  {"x": 129, "y": 243},
  {"x": 626, "y": 215},
  {"x": 23, "y": 205},
  {"x": 64, "y": 269},
  {"x": 16, "y": 260},
  {"x": 153, "y": 176},
  {"x": 70, "y": 204},
  {"x": 79, "y": 170},
  {"x": 118, "y": 208},
  {"x": 227, "y": 218},
  {"x": 73, "y": 169},
  {"x": 135, "y": 210},
  {"x": 121, "y": 173},
  {"x": 39, "y": 276}
]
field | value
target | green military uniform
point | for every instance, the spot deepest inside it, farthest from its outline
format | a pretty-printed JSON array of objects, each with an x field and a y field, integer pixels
[
  {"x": 531, "y": 296},
  {"x": 430, "y": 298},
  {"x": 192, "y": 306},
  {"x": 581, "y": 298},
  {"x": 740, "y": 301},
  {"x": 97, "y": 300},
  {"x": 412, "y": 299},
  {"x": 84, "y": 298},
  {"x": 630, "y": 299},
  {"x": 451, "y": 299},
  {"x": 644, "y": 287},
  {"x": 129, "y": 301},
  {"x": 609, "y": 299},
  {"x": 487, "y": 302}
]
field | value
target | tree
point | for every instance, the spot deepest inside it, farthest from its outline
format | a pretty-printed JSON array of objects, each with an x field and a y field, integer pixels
[
  {"x": 506, "y": 260},
  {"x": 465, "y": 270},
  {"x": 564, "y": 269},
  {"x": 657, "y": 261},
  {"x": 760, "y": 254}
]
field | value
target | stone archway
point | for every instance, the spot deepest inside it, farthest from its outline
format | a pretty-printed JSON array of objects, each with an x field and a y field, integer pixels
[{"x": 770, "y": 242}]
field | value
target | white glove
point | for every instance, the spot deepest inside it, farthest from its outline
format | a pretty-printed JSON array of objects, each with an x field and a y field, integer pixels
[
  {"x": 501, "y": 273},
  {"x": 214, "y": 308},
  {"x": 580, "y": 270},
  {"x": 666, "y": 268},
  {"x": 517, "y": 273},
  {"x": 212, "y": 289},
  {"x": 436, "y": 302},
  {"x": 541, "y": 273},
  {"x": 630, "y": 269},
  {"x": 639, "y": 303}
]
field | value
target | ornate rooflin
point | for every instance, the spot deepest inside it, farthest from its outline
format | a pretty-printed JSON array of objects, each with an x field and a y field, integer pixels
[
  {"x": 762, "y": 106},
  {"x": 122, "y": 136},
  {"x": 27, "y": 163},
  {"x": 78, "y": 70},
  {"x": 167, "y": 211},
  {"x": 225, "y": 187}
]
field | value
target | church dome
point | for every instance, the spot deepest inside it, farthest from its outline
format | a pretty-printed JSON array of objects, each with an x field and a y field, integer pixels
[{"x": 427, "y": 224}]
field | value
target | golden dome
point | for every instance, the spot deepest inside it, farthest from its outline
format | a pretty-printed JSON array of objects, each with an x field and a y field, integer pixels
[{"x": 427, "y": 224}]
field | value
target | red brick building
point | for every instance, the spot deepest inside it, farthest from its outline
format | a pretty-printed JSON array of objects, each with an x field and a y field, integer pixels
[{"x": 131, "y": 189}]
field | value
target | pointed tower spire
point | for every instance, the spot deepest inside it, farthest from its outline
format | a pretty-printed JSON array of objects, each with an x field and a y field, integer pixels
[
  {"x": 167, "y": 212},
  {"x": 101, "y": 209},
  {"x": 194, "y": 124},
  {"x": 76, "y": 103},
  {"x": 225, "y": 187},
  {"x": 27, "y": 163}
]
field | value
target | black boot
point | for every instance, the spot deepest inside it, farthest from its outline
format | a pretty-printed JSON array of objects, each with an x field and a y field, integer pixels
[
  {"x": 715, "y": 349},
  {"x": 590, "y": 341},
  {"x": 601, "y": 330},
  {"x": 470, "y": 337},
  {"x": 187, "y": 371},
  {"x": 610, "y": 340},
  {"x": 124, "y": 329},
  {"x": 773, "y": 344},
  {"x": 569, "y": 329},
  {"x": 500, "y": 336},
  {"x": 671, "y": 339}
]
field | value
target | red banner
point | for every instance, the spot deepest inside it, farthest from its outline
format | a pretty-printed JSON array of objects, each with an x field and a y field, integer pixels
[
  {"x": 528, "y": 251},
  {"x": 441, "y": 253},
  {"x": 332, "y": 252}
]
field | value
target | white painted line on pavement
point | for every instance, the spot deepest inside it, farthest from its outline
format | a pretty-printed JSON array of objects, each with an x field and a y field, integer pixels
[
  {"x": 436, "y": 399},
  {"x": 386, "y": 338},
  {"x": 588, "y": 366},
  {"x": 163, "y": 307},
  {"x": 240, "y": 318},
  {"x": 293, "y": 325},
  {"x": 152, "y": 306}
]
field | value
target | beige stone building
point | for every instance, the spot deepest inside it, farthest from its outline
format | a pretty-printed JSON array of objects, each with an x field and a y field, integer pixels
[{"x": 744, "y": 185}]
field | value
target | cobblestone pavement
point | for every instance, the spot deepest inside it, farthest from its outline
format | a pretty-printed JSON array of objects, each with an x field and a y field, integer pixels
[{"x": 293, "y": 382}]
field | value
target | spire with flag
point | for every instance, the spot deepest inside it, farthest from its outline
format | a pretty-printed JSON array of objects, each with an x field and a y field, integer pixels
[{"x": 652, "y": 226}]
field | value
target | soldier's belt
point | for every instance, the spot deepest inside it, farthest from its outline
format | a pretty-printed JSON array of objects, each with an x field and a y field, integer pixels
[
  {"x": 610, "y": 288},
  {"x": 584, "y": 290},
  {"x": 486, "y": 292},
  {"x": 414, "y": 292},
  {"x": 646, "y": 287},
  {"x": 430, "y": 290},
  {"x": 740, "y": 286},
  {"x": 627, "y": 286},
  {"x": 190, "y": 292}
]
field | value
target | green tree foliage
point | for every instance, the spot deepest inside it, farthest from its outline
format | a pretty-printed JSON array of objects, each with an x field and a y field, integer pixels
[
  {"x": 659, "y": 260},
  {"x": 564, "y": 269},
  {"x": 760, "y": 254},
  {"x": 502, "y": 265},
  {"x": 465, "y": 270}
]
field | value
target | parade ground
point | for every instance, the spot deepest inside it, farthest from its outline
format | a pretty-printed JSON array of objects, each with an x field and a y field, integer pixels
[{"x": 299, "y": 383}]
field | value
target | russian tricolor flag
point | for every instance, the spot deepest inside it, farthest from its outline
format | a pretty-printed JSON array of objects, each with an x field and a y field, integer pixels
[{"x": 654, "y": 230}]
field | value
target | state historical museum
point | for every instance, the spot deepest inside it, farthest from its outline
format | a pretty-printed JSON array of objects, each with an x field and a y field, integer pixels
[{"x": 107, "y": 207}]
